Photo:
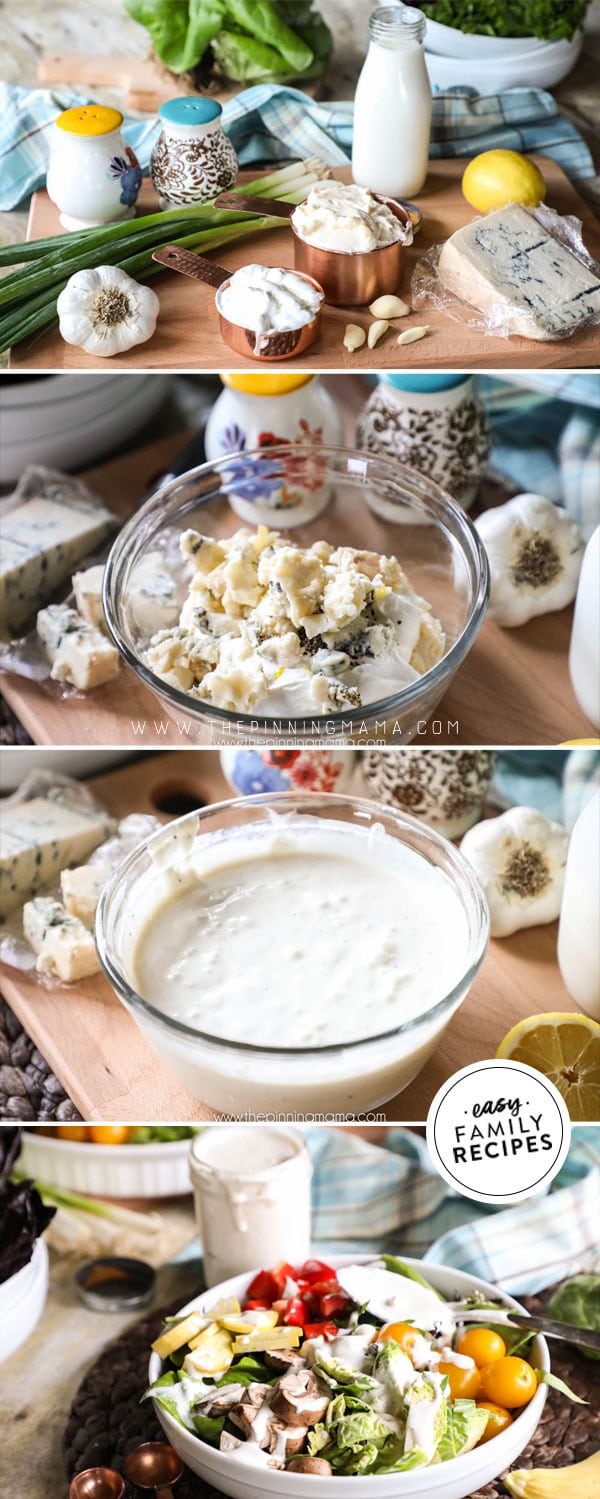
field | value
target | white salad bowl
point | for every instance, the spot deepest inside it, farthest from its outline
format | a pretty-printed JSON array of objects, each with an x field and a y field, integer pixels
[
  {"x": 159, "y": 1169},
  {"x": 540, "y": 67},
  {"x": 22, "y": 1301},
  {"x": 450, "y": 41},
  {"x": 455, "y": 1479}
]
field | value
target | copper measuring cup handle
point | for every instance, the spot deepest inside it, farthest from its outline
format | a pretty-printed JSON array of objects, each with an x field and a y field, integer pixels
[
  {"x": 274, "y": 207},
  {"x": 196, "y": 266}
]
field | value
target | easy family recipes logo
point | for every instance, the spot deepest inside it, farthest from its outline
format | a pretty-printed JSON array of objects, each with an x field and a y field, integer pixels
[{"x": 498, "y": 1132}]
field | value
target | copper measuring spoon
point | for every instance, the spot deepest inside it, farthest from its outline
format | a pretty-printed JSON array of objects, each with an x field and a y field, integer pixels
[
  {"x": 154, "y": 1465},
  {"x": 97, "y": 1483}
]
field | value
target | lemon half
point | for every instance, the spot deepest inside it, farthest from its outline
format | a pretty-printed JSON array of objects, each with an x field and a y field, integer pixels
[
  {"x": 566, "y": 1049},
  {"x": 495, "y": 178}
]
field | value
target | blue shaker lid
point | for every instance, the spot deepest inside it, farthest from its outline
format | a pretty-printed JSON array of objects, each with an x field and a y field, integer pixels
[
  {"x": 426, "y": 384},
  {"x": 191, "y": 109}
]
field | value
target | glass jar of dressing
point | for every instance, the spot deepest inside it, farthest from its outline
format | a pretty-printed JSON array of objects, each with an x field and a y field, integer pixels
[
  {"x": 392, "y": 105},
  {"x": 252, "y": 1198}
]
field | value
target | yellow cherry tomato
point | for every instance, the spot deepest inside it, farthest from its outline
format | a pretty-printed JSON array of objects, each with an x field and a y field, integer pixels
[
  {"x": 509, "y": 1382},
  {"x": 72, "y": 1131},
  {"x": 465, "y": 1384},
  {"x": 483, "y": 1345},
  {"x": 498, "y": 1420},
  {"x": 401, "y": 1333},
  {"x": 109, "y": 1134}
]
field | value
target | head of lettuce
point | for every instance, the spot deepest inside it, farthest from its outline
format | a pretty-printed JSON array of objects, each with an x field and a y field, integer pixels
[{"x": 250, "y": 40}]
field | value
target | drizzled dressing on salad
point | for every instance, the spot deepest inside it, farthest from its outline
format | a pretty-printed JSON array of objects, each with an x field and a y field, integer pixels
[{"x": 367, "y": 1371}]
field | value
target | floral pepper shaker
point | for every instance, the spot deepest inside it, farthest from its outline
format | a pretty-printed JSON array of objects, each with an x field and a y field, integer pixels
[
  {"x": 259, "y": 411},
  {"x": 436, "y": 424},
  {"x": 94, "y": 177},
  {"x": 193, "y": 160}
]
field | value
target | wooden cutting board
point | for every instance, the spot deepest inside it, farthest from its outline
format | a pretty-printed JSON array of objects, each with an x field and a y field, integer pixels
[
  {"x": 106, "y": 1066},
  {"x": 188, "y": 338},
  {"x": 146, "y": 82},
  {"x": 513, "y": 688}
]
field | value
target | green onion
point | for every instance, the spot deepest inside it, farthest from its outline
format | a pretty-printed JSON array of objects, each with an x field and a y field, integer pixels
[
  {"x": 29, "y": 293},
  {"x": 143, "y": 1223}
]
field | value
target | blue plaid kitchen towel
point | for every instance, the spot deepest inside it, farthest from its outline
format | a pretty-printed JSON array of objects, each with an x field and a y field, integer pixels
[
  {"x": 558, "y": 783},
  {"x": 546, "y": 437},
  {"x": 267, "y": 122},
  {"x": 389, "y": 1199}
]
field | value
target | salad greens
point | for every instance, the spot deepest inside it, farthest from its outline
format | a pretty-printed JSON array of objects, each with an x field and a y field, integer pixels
[
  {"x": 249, "y": 39},
  {"x": 578, "y": 1303},
  {"x": 153, "y": 1134},
  {"x": 550, "y": 20},
  {"x": 308, "y": 1366},
  {"x": 23, "y": 1215}
]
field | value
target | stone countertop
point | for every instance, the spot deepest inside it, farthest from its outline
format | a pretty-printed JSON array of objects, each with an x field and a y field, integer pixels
[{"x": 30, "y": 29}]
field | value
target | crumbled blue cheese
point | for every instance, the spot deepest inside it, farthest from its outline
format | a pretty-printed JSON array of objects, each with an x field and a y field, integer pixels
[
  {"x": 282, "y": 629},
  {"x": 87, "y": 587},
  {"x": 79, "y": 653},
  {"x": 520, "y": 276},
  {"x": 63, "y": 944},
  {"x": 41, "y": 837},
  {"x": 152, "y": 594},
  {"x": 81, "y": 890},
  {"x": 42, "y": 541}
]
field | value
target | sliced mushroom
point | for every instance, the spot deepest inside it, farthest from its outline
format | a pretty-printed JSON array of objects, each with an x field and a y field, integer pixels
[
  {"x": 220, "y": 1404},
  {"x": 282, "y": 1358},
  {"x": 317, "y": 1465},
  {"x": 300, "y": 1399},
  {"x": 229, "y": 1443},
  {"x": 294, "y": 1437}
]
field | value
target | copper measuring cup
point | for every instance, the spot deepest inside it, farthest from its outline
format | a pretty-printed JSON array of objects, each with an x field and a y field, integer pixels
[
  {"x": 154, "y": 1465},
  {"x": 261, "y": 346},
  {"x": 97, "y": 1483},
  {"x": 348, "y": 278}
]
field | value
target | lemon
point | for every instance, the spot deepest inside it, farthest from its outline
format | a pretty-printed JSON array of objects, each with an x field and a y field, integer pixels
[
  {"x": 496, "y": 178},
  {"x": 566, "y": 744},
  {"x": 566, "y": 1049}
]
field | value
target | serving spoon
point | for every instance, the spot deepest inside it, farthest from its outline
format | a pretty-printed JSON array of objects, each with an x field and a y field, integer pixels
[{"x": 154, "y": 1465}]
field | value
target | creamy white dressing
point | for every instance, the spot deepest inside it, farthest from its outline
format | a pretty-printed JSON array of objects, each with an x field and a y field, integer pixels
[
  {"x": 395, "y": 1298},
  {"x": 300, "y": 937},
  {"x": 269, "y": 299},
  {"x": 423, "y": 1414}
]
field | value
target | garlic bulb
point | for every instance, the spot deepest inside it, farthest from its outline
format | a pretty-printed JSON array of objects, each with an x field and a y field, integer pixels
[
  {"x": 520, "y": 858},
  {"x": 105, "y": 311},
  {"x": 535, "y": 552}
]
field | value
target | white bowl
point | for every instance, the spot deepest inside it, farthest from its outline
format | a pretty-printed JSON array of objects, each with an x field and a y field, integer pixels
[
  {"x": 22, "y": 1301},
  {"x": 451, "y": 42},
  {"x": 456, "y": 1479},
  {"x": 158, "y": 1170},
  {"x": 490, "y": 75},
  {"x": 71, "y": 421}
]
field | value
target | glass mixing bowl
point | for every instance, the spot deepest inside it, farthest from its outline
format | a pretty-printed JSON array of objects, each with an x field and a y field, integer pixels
[
  {"x": 374, "y": 503},
  {"x": 234, "y": 1077}
]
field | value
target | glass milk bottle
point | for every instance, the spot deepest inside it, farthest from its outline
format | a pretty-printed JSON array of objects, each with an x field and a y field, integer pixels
[
  {"x": 584, "y": 654},
  {"x": 578, "y": 946},
  {"x": 252, "y": 1198},
  {"x": 392, "y": 105}
]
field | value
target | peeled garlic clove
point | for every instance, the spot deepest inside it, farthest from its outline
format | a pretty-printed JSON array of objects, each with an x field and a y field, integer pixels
[
  {"x": 389, "y": 307},
  {"x": 376, "y": 331},
  {"x": 411, "y": 335},
  {"x": 354, "y": 337}
]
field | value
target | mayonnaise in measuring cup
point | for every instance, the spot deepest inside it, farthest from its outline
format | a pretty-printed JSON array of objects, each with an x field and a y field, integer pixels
[
  {"x": 347, "y": 219},
  {"x": 252, "y": 1198}
]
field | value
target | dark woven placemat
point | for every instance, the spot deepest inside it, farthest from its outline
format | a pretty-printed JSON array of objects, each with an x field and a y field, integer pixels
[
  {"x": 106, "y": 1420},
  {"x": 28, "y": 1088}
]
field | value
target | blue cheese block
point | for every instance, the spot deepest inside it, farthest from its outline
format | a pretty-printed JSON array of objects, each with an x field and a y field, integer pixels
[
  {"x": 87, "y": 587},
  {"x": 41, "y": 837},
  {"x": 519, "y": 276},
  {"x": 81, "y": 890},
  {"x": 42, "y": 541},
  {"x": 79, "y": 653},
  {"x": 63, "y": 944}
]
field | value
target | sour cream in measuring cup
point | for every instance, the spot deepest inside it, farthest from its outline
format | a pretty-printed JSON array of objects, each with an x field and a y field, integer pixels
[{"x": 252, "y": 1198}]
